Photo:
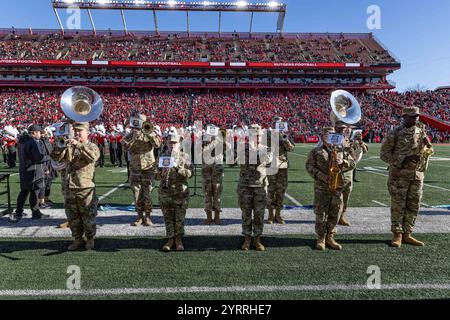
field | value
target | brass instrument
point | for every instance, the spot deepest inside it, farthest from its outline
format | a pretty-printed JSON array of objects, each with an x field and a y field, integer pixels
[
  {"x": 334, "y": 171},
  {"x": 81, "y": 104},
  {"x": 425, "y": 155},
  {"x": 147, "y": 127},
  {"x": 345, "y": 108}
]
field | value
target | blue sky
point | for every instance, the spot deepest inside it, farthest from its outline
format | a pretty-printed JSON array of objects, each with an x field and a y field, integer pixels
[{"x": 416, "y": 31}]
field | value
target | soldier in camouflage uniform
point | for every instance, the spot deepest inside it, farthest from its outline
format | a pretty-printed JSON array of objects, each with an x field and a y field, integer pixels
[
  {"x": 346, "y": 130},
  {"x": 278, "y": 182},
  {"x": 252, "y": 188},
  {"x": 142, "y": 169},
  {"x": 212, "y": 173},
  {"x": 174, "y": 192},
  {"x": 328, "y": 205},
  {"x": 80, "y": 200},
  {"x": 402, "y": 150}
]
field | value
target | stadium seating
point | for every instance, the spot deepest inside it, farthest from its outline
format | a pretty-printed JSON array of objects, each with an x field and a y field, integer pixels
[
  {"x": 304, "y": 48},
  {"x": 306, "y": 112}
]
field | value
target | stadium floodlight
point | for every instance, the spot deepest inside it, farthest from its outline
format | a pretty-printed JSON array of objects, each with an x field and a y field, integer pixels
[
  {"x": 242, "y": 3},
  {"x": 172, "y": 5}
]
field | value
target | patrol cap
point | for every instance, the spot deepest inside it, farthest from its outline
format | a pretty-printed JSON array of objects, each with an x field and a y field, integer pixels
[
  {"x": 277, "y": 118},
  {"x": 410, "y": 111},
  {"x": 81, "y": 126},
  {"x": 327, "y": 130},
  {"x": 256, "y": 128},
  {"x": 142, "y": 117},
  {"x": 34, "y": 128}
]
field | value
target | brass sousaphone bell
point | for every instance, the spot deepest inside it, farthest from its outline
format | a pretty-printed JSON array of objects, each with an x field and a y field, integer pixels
[
  {"x": 344, "y": 107},
  {"x": 81, "y": 104}
]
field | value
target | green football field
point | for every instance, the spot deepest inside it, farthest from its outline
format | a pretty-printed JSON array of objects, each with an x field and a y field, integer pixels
[
  {"x": 372, "y": 187},
  {"x": 213, "y": 267}
]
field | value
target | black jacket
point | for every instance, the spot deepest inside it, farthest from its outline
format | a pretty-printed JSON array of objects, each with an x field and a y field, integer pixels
[{"x": 32, "y": 161}]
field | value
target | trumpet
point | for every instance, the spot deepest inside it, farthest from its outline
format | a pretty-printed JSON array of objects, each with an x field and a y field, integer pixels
[
  {"x": 147, "y": 127},
  {"x": 61, "y": 142}
]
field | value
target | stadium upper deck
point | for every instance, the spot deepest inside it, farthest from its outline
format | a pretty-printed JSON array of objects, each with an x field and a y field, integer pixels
[{"x": 195, "y": 47}]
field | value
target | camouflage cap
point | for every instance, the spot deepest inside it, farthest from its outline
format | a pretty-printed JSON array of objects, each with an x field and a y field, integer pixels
[
  {"x": 277, "y": 118},
  {"x": 81, "y": 126},
  {"x": 410, "y": 111},
  {"x": 327, "y": 130}
]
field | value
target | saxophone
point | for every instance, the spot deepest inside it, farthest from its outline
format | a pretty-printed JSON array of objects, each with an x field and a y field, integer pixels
[
  {"x": 425, "y": 154},
  {"x": 334, "y": 172}
]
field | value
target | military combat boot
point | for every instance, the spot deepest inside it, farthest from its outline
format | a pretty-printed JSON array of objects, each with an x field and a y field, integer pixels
[
  {"x": 278, "y": 217},
  {"x": 217, "y": 217},
  {"x": 271, "y": 216},
  {"x": 76, "y": 245},
  {"x": 397, "y": 240},
  {"x": 147, "y": 221},
  {"x": 258, "y": 245},
  {"x": 179, "y": 243},
  {"x": 407, "y": 238},
  {"x": 343, "y": 221},
  {"x": 139, "y": 220},
  {"x": 208, "y": 219},
  {"x": 247, "y": 242},
  {"x": 168, "y": 246},
  {"x": 90, "y": 244},
  {"x": 332, "y": 243},
  {"x": 320, "y": 243}
]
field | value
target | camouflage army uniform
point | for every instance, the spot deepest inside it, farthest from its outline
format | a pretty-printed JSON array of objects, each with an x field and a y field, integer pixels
[
  {"x": 405, "y": 180},
  {"x": 174, "y": 193},
  {"x": 142, "y": 169},
  {"x": 328, "y": 205},
  {"x": 278, "y": 182},
  {"x": 252, "y": 190},
  {"x": 348, "y": 183},
  {"x": 212, "y": 181},
  {"x": 80, "y": 200}
]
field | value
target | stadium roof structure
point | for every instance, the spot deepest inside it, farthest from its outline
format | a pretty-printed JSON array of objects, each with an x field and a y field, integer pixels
[{"x": 211, "y": 6}]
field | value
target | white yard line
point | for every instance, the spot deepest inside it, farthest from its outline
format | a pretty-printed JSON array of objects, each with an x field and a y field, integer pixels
[
  {"x": 293, "y": 200},
  {"x": 425, "y": 184},
  {"x": 380, "y": 203},
  {"x": 111, "y": 192},
  {"x": 299, "y": 155},
  {"x": 168, "y": 290}
]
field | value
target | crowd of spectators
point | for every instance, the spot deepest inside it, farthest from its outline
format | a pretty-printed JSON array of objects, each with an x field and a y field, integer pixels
[
  {"x": 306, "y": 112},
  {"x": 313, "y": 48}
]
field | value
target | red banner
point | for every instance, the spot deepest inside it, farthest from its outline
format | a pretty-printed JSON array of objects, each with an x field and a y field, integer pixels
[
  {"x": 166, "y": 64},
  {"x": 296, "y": 65},
  {"x": 312, "y": 139}
]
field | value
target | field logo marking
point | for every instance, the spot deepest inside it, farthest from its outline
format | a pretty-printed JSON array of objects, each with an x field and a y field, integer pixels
[
  {"x": 74, "y": 280},
  {"x": 374, "y": 279}
]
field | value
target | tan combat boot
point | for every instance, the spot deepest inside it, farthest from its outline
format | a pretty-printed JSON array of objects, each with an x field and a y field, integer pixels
[
  {"x": 179, "y": 243},
  {"x": 247, "y": 242},
  {"x": 321, "y": 243},
  {"x": 76, "y": 245},
  {"x": 278, "y": 217},
  {"x": 169, "y": 244},
  {"x": 90, "y": 244},
  {"x": 208, "y": 219},
  {"x": 138, "y": 221},
  {"x": 332, "y": 243},
  {"x": 64, "y": 225},
  {"x": 147, "y": 221},
  {"x": 217, "y": 217},
  {"x": 258, "y": 245},
  {"x": 397, "y": 240},
  {"x": 407, "y": 238},
  {"x": 271, "y": 216},
  {"x": 343, "y": 221}
]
